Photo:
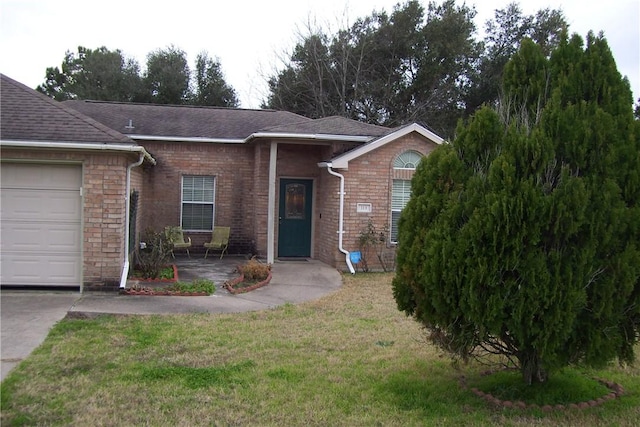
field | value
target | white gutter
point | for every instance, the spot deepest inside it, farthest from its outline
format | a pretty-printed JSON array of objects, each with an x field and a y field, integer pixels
[
  {"x": 321, "y": 136},
  {"x": 341, "y": 218},
  {"x": 185, "y": 139},
  {"x": 81, "y": 146},
  {"x": 127, "y": 221},
  {"x": 279, "y": 135}
]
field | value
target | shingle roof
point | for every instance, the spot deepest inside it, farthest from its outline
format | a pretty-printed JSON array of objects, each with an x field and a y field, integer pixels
[
  {"x": 334, "y": 125},
  {"x": 183, "y": 120},
  {"x": 26, "y": 115}
]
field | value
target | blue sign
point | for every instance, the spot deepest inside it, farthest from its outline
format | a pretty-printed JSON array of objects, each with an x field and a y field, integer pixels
[{"x": 355, "y": 257}]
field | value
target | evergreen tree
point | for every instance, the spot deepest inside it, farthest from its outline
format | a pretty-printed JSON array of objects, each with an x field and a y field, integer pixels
[
  {"x": 98, "y": 74},
  {"x": 522, "y": 237},
  {"x": 211, "y": 87},
  {"x": 167, "y": 77}
]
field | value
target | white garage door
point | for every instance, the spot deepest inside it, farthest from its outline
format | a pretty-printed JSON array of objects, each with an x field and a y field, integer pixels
[{"x": 40, "y": 213}]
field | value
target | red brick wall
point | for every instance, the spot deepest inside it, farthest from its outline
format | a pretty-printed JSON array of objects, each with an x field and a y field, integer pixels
[
  {"x": 232, "y": 167},
  {"x": 242, "y": 186},
  {"x": 104, "y": 182},
  {"x": 368, "y": 180}
]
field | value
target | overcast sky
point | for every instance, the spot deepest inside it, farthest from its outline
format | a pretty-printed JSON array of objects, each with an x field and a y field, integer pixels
[{"x": 247, "y": 36}]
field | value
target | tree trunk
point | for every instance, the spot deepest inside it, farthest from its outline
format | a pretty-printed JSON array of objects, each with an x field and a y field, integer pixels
[{"x": 532, "y": 369}]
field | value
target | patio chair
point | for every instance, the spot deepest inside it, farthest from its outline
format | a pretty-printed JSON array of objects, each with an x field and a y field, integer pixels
[
  {"x": 177, "y": 240},
  {"x": 219, "y": 241}
]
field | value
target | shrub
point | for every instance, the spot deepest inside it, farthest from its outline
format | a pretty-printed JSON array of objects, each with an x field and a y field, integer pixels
[
  {"x": 374, "y": 240},
  {"x": 151, "y": 260},
  {"x": 255, "y": 271}
]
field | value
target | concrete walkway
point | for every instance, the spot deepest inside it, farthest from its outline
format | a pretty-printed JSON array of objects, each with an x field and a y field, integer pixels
[
  {"x": 27, "y": 316},
  {"x": 291, "y": 282}
]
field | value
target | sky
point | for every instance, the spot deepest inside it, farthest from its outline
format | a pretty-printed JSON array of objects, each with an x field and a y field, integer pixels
[{"x": 250, "y": 38}]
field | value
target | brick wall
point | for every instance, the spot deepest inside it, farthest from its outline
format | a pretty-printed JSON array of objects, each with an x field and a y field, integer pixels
[
  {"x": 242, "y": 186},
  {"x": 368, "y": 180},
  {"x": 232, "y": 167}
]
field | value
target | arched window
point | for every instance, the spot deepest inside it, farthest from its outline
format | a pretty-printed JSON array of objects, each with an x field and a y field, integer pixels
[
  {"x": 401, "y": 188},
  {"x": 407, "y": 160}
]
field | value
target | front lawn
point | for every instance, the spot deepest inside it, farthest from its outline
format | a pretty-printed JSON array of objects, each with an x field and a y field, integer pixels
[{"x": 349, "y": 359}]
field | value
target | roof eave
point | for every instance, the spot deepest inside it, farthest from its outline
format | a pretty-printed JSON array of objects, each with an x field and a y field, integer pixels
[
  {"x": 186, "y": 139},
  {"x": 89, "y": 146},
  {"x": 342, "y": 161},
  {"x": 312, "y": 136}
]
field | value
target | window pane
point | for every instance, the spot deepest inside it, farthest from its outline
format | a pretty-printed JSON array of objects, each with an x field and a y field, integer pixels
[
  {"x": 294, "y": 201},
  {"x": 197, "y": 216},
  {"x": 394, "y": 226},
  {"x": 197, "y": 188},
  {"x": 400, "y": 193}
]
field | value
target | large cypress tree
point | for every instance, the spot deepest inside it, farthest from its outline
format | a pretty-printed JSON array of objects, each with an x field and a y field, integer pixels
[{"x": 522, "y": 236}]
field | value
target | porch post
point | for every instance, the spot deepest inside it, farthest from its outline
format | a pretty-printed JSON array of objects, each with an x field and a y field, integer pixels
[{"x": 271, "y": 209}]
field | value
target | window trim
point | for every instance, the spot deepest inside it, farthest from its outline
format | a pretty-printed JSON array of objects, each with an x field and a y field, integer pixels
[
  {"x": 397, "y": 167},
  {"x": 198, "y": 203}
]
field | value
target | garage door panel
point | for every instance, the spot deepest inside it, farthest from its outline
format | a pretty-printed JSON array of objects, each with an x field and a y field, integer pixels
[
  {"x": 38, "y": 237},
  {"x": 47, "y": 205},
  {"x": 40, "y": 176},
  {"x": 41, "y": 210},
  {"x": 40, "y": 270}
]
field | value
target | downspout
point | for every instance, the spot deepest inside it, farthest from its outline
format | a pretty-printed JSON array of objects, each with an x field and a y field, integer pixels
[
  {"x": 341, "y": 216},
  {"x": 127, "y": 220}
]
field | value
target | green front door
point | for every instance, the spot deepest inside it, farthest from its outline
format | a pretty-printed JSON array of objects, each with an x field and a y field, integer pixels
[{"x": 294, "y": 235}]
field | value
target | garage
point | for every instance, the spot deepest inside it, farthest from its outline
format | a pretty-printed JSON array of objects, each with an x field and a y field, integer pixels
[{"x": 41, "y": 211}]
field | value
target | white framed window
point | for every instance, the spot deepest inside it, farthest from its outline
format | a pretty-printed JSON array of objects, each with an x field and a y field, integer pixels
[
  {"x": 400, "y": 193},
  {"x": 401, "y": 188},
  {"x": 198, "y": 196}
]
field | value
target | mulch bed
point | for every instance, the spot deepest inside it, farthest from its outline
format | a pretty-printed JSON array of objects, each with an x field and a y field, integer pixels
[
  {"x": 154, "y": 287},
  {"x": 238, "y": 286}
]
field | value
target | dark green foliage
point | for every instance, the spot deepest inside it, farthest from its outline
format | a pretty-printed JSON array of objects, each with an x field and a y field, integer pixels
[
  {"x": 211, "y": 88},
  {"x": 106, "y": 75},
  {"x": 167, "y": 77},
  {"x": 412, "y": 65},
  {"x": 384, "y": 69},
  {"x": 522, "y": 237},
  {"x": 504, "y": 34},
  {"x": 98, "y": 74}
]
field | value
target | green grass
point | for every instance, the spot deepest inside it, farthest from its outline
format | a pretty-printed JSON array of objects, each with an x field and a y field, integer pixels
[
  {"x": 349, "y": 359},
  {"x": 197, "y": 285},
  {"x": 164, "y": 273},
  {"x": 567, "y": 386}
]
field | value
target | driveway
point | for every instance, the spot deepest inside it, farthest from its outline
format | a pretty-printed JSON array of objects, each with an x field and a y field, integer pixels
[{"x": 27, "y": 317}]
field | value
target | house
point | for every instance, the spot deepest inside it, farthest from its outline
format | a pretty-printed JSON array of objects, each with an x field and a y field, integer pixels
[{"x": 288, "y": 186}]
